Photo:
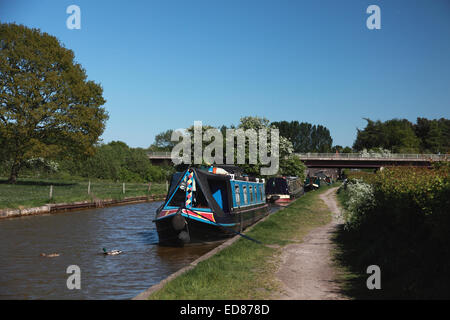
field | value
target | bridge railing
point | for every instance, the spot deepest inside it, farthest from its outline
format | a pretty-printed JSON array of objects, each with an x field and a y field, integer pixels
[
  {"x": 335, "y": 156},
  {"x": 159, "y": 154},
  {"x": 389, "y": 156}
]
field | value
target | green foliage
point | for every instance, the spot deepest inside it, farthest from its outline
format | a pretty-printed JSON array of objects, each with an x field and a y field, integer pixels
[
  {"x": 118, "y": 162},
  {"x": 405, "y": 232},
  {"x": 293, "y": 166},
  {"x": 341, "y": 149},
  {"x": 257, "y": 123},
  {"x": 359, "y": 201},
  {"x": 434, "y": 135},
  {"x": 402, "y": 136},
  {"x": 306, "y": 137},
  {"x": 48, "y": 108},
  {"x": 163, "y": 142}
]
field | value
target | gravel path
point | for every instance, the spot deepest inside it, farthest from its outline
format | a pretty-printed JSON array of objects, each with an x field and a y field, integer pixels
[{"x": 306, "y": 270}]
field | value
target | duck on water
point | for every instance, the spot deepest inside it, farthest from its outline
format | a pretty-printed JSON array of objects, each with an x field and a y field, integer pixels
[{"x": 204, "y": 205}]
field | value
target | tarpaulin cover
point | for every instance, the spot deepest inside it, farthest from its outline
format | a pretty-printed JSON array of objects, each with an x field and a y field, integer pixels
[
  {"x": 204, "y": 180},
  {"x": 277, "y": 186}
]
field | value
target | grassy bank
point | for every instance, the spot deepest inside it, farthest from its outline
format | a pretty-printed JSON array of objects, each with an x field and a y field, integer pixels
[
  {"x": 245, "y": 270},
  {"x": 36, "y": 192}
]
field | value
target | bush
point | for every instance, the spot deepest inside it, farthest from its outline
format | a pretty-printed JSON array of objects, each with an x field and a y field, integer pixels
[
  {"x": 114, "y": 161},
  {"x": 399, "y": 219},
  {"x": 360, "y": 200}
]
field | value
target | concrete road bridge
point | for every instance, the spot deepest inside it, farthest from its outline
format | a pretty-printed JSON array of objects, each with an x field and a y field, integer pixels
[
  {"x": 372, "y": 160},
  {"x": 343, "y": 160}
]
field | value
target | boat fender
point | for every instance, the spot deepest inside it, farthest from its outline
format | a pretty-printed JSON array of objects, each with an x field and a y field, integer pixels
[
  {"x": 184, "y": 236},
  {"x": 178, "y": 221}
]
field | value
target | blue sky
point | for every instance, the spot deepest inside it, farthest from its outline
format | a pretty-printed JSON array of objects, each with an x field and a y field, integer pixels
[{"x": 165, "y": 64}]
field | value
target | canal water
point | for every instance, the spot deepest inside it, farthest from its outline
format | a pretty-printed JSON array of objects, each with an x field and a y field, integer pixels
[{"x": 79, "y": 238}]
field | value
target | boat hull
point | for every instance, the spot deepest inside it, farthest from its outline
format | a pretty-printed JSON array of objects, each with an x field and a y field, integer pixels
[{"x": 184, "y": 226}]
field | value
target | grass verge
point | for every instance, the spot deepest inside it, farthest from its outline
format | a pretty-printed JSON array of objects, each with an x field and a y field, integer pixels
[
  {"x": 246, "y": 270},
  {"x": 33, "y": 192}
]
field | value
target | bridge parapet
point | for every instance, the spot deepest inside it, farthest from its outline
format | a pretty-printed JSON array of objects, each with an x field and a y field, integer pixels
[
  {"x": 342, "y": 159},
  {"x": 374, "y": 156},
  {"x": 159, "y": 154}
]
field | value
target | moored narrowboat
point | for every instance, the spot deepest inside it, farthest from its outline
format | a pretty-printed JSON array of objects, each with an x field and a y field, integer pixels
[
  {"x": 209, "y": 205},
  {"x": 282, "y": 190},
  {"x": 312, "y": 183}
]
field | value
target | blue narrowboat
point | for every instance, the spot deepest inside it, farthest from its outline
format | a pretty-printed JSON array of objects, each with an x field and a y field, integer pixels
[{"x": 209, "y": 205}]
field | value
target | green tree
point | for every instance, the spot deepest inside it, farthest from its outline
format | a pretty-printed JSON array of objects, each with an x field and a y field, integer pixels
[
  {"x": 293, "y": 132},
  {"x": 293, "y": 166},
  {"x": 257, "y": 123},
  {"x": 396, "y": 135},
  {"x": 321, "y": 140},
  {"x": 434, "y": 135},
  {"x": 163, "y": 141},
  {"x": 347, "y": 150},
  {"x": 305, "y": 137},
  {"x": 48, "y": 108},
  {"x": 117, "y": 161}
]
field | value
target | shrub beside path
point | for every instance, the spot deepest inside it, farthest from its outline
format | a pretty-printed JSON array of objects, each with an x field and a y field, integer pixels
[{"x": 306, "y": 271}]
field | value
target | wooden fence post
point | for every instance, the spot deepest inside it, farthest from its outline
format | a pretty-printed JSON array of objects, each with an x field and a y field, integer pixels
[
  {"x": 89, "y": 187},
  {"x": 51, "y": 192},
  {"x": 123, "y": 188}
]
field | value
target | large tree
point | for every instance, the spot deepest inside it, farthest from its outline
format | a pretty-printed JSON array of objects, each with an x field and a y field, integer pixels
[
  {"x": 163, "y": 141},
  {"x": 396, "y": 135},
  {"x": 48, "y": 107},
  {"x": 434, "y": 135},
  {"x": 305, "y": 137}
]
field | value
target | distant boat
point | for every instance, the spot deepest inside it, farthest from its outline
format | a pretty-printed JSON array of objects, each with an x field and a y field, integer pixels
[
  {"x": 312, "y": 183},
  {"x": 281, "y": 190},
  {"x": 209, "y": 205}
]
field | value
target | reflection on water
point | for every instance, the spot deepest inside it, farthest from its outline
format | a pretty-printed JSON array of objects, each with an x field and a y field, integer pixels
[{"x": 79, "y": 238}]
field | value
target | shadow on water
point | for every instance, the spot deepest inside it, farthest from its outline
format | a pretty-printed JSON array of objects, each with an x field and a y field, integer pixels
[{"x": 148, "y": 237}]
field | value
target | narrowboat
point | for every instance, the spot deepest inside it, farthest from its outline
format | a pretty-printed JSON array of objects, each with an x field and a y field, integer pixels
[
  {"x": 312, "y": 183},
  {"x": 324, "y": 177},
  {"x": 281, "y": 190},
  {"x": 209, "y": 205}
]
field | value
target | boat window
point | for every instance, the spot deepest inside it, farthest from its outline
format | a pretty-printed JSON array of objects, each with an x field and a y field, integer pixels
[
  {"x": 237, "y": 195},
  {"x": 251, "y": 194},
  {"x": 244, "y": 191}
]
